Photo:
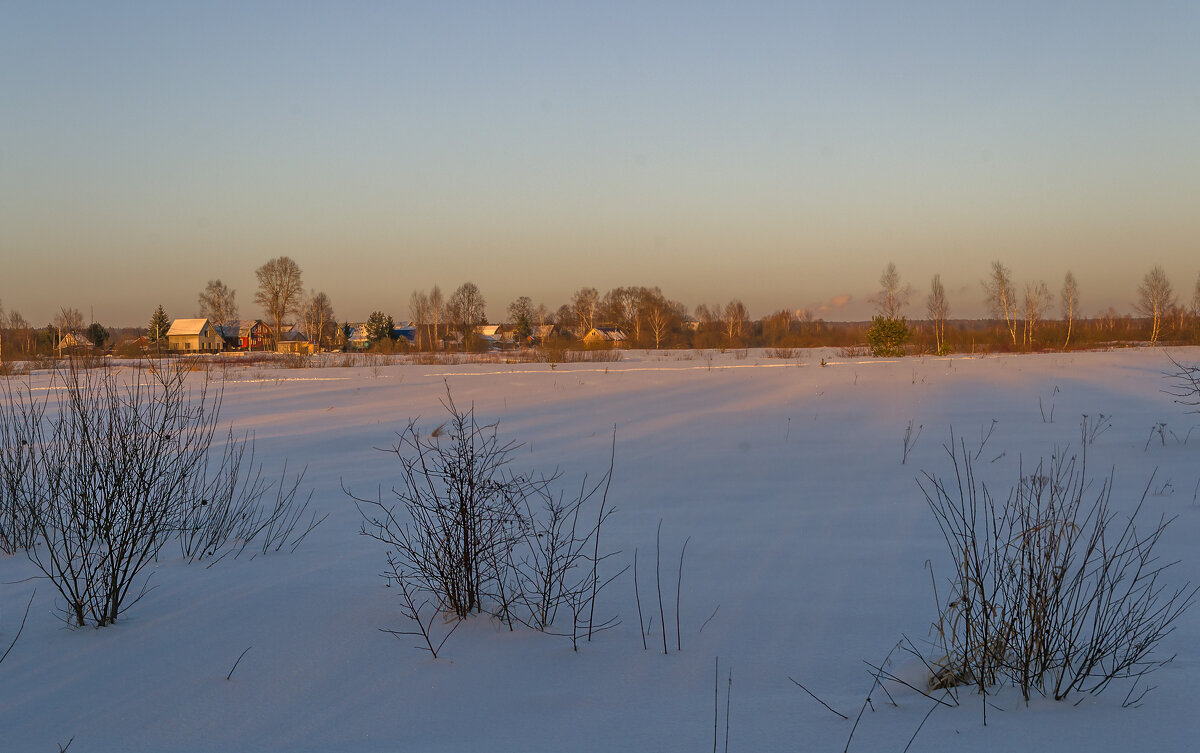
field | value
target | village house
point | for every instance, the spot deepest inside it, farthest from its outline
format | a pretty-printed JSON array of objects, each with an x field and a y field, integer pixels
[
  {"x": 541, "y": 333},
  {"x": 406, "y": 331},
  {"x": 294, "y": 341},
  {"x": 194, "y": 336},
  {"x": 74, "y": 341},
  {"x": 356, "y": 337},
  {"x": 246, "y": 334},
  {"x": 604, "y": 335}
]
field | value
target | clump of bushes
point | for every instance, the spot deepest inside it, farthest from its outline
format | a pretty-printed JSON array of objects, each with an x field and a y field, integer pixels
[
  {"x": 1053, "y": 591},
  {"x": 94, "y": 482},
  {"x": 467, "y": 535}
]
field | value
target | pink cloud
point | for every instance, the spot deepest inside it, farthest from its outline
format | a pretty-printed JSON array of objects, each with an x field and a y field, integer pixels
[{"x": 835, "y": 303}]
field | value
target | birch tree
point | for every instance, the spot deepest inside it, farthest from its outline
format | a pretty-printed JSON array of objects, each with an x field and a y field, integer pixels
[
  {"x": 1037, "y": 299},
  {"x": 584, "y": 304},
  {"x": 733, "y": 319},
  {"x": 319, "y": 319},
  {"x": 1155, "y": 300},
  {"x": 939, "y": 309},
  {"x": 893, "y": 296},
  {"x": 1001, "y": 297},
  {"x": 1069, "y": 299},
  {"x": 218, "y": 303},
  {"x": 1196, "y": 300},
  {"x": 437, "y": 308}
]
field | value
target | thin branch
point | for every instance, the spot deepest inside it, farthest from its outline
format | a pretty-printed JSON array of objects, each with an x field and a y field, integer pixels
[
  {"x": 20, "y": 629},
  {"x": 236, "y": 663},
  {"x": 818, "y": 700}
]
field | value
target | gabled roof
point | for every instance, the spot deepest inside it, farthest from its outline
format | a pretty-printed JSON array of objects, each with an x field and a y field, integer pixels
[
  {"x": 293, "y": 335},
  {"x": 612, "y": 334},
  {"x": 185, "y": 327},
  {"x": 243, "y": 327},
  {"x": 358, "y": 333},
  {"x": 74, "y": 340}
]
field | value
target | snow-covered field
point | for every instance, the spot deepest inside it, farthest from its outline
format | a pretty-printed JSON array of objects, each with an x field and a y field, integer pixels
[{"x": 808, "y": 538}]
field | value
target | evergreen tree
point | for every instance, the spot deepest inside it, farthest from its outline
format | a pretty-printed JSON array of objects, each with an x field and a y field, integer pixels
[
  {"x": 887, "y": 336},
  {"x": 379, "y": 326},
  {"x": 159, "y": 324},
  {"x": 97, "y": 334}
]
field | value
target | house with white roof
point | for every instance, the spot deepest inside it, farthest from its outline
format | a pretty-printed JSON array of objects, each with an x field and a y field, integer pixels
[{"x": 194, "y": 336}]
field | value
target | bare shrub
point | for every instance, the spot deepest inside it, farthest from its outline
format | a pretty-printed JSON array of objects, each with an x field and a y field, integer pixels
[
  {"x": 1053, "y": 591},
  {"x": 19, "y": 421},
  {"x": 554, "y": 353},
  {"x": 1184, "y": 381},
  {"x": 293, "y": 361},
  {"x": 467, "y": 535},
  {"x": 229, "y": 508},
  {"x": 105, "y": 475},
  {"x": 603, "y": 355}
]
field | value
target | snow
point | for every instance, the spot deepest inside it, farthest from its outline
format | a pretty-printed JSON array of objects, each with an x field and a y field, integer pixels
[{"x": 808, "y": 537}]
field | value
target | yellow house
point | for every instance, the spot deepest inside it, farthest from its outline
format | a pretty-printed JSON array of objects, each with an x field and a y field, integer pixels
[
  {"x": 193, "y": 336},
  {"x": 604, "y": 336}
]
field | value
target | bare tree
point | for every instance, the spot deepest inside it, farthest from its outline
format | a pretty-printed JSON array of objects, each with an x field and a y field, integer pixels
[
  {"x": 279, "y": 290},
  {"x": 1001, "y": 297},
  {"x": 68, "y": 321},
  {"x": 1069, "y": 298},
  {"x": 319, "y": 320},
  {"x": 218, "y": 303},
  {"x": 734, "y": 317},
  {"x": 19, "y": 331},
  {"x": 565, "y": 318},
  {"x": 1037, "y": 300},
  {"x": 939, "y": 309},
  {"x": 418, "y": 309},
  {"x": 779, "y": 326},
  {"x": 437, "y": 308},
  {"x": 624, "y": 307},
  {"x": 1155, "y": 299},
  {"x": 466, "y": 310},
  {"x": 893, "y": 296},
  {"x": 584, "y": 304},
  {"x": 663, "y": 316},
  {"x": 1195, "y": 307}
]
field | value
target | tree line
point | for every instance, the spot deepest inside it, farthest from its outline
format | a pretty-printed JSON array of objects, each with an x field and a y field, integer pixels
[{"x": 1023, "y": 317}]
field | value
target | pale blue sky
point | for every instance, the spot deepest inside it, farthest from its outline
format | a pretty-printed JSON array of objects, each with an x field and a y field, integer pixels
[{"x": 781, "y": 153}]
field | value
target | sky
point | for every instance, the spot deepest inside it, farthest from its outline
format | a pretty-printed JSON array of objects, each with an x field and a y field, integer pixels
[{"x": 777, "y": 153}]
